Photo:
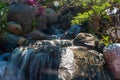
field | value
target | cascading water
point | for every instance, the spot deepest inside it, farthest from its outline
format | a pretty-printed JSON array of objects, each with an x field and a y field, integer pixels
[
  {"x": 40, "y": 62},
  {"x": 53, "y": 60}
]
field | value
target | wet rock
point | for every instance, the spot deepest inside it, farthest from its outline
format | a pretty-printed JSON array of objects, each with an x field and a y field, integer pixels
[
  {"x": 85, "y": 39},
  {"x": 14, "y": 28},
  {"x": 60, "y": 43},
  {"x": 10, "y": 42},
  {"x": 67, "y": 65},
  {"x": 54, "y": 29},
  {"x": 38, "y": 35},
  {"x": 88, "y": 64},
  {"x": 6, "y": 56},
  {"x": 74, "y": 29},
  {"x": 51, "y": 15},
  {"x": 57, "y": 43},
  {"x": 112, "y": 57},
  {"x": 22, "y": 14},
  {"x": 72, "y": 32},
  {"x": 21, "y": 41}
]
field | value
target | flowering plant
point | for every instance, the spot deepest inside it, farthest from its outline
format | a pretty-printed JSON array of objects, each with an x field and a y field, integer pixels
[{"x": 35, "y": 3}]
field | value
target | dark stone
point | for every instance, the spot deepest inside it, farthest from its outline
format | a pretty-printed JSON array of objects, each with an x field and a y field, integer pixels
[
  {"x": 6, "y": 56},
  {"x": 14, "y": 28},
  {"x": 8, "y": 43},
  {"x": 37, "y": 35},
  {"x": 41, "y": 22},
  {"x": 22, "y": 14},
  {"x": 51, "y": 16},
  {"x": 71, "y": 32}
]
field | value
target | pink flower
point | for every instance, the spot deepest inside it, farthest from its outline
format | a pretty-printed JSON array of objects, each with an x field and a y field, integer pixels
[
  {"x": 31, "y": 2},
  {"x": 35, "y": 3}
]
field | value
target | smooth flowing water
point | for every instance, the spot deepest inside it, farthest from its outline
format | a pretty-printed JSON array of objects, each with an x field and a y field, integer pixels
[{"x": 39, "y": 62}]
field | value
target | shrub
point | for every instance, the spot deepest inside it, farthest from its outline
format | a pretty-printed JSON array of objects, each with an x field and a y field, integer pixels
[{"x": 3, "y": 18}]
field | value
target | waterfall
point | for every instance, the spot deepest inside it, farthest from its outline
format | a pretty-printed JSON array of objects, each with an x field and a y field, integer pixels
[
  {"x": 40, "y": 62},
  {"x": 54, "y": 60}
]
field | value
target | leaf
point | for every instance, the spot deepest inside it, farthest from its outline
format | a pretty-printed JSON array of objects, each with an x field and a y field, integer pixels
[{"x": 106, "y": 38}]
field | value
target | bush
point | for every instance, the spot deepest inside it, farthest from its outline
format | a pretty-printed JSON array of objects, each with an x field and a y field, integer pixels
[{"x": 3, "y": 18}]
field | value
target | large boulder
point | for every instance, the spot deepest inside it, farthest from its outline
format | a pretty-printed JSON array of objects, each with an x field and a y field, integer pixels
[
  {"x": 112, "y": 57},
  {"x": 14, "y": 28},
  {"x": 51, "y": 15},
  {"x": 37, "y": 35},
  {"x": 22, "y": 14},
  {"x": 88, "y": 65},
  {"x": 41, "y": 22}
]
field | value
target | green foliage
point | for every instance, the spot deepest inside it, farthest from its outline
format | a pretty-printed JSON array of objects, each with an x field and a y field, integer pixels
[
  {"x": 3, "y": 18},
  {"x": 81, "y": 17},
  {"x": 106, "y": 40},
  {"x": 95, "y": 9},
  {"x": 34, "y": 22},
  {"x": 95, "y": 14}
]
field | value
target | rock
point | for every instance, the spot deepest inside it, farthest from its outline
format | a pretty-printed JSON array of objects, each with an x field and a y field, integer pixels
[
  {"x": 51, "y": 15},
  {"x": 21, "y": 41},
  {"x": 14, "y": 28},
  {"x": 37, "y": 35},
  {"x": 74, "y": 29},
  {"x": 6, "y": 56},
  {"x": 68, "y": 36},
  {"x": 54, "y": 29},
  {"x": 41, "y": 22},
  {"x": 10, "y": 42},
  {"x": 116, "y": 38},
  {"x": 85, "y": 39},
  {"x": 60, "y": 43},
  {"x": 49, "y": 11},
  {"x": 11, "y": 1},
  {"x": 57, "y": 43},
  {"x": 71, "y": 32},
  {"x": 22, "y": 14},
  {"x": 67, "y": 66},
  {"x": 80, "y": 63},
  {"x": 112, "y": 57}
]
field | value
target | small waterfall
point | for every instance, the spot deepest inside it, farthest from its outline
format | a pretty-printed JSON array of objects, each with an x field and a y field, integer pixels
[
  {"x": 40, "y": 62},
  {"x": 53, "y": 60}
]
